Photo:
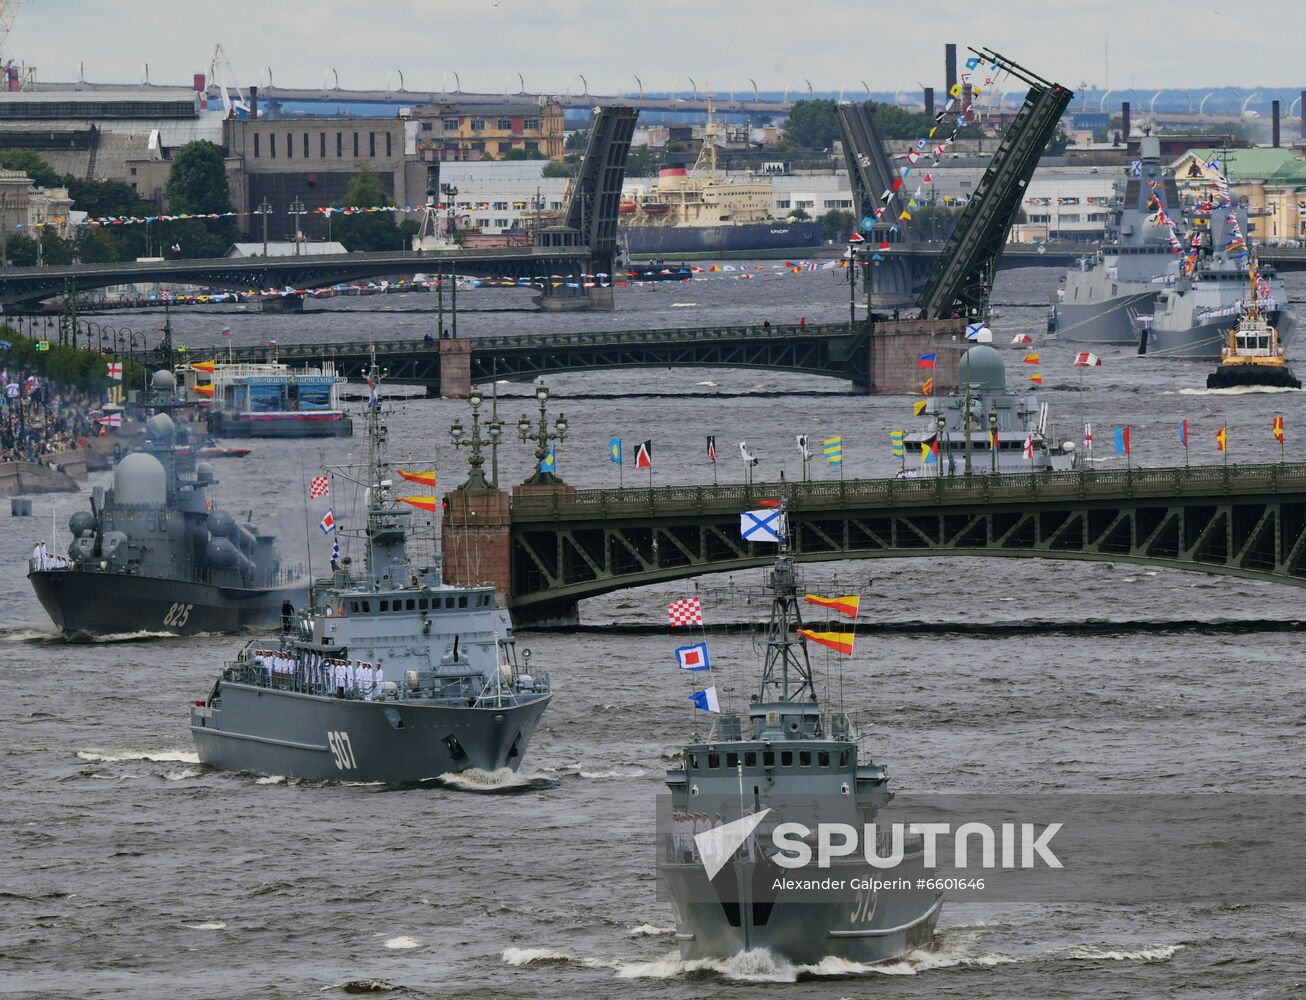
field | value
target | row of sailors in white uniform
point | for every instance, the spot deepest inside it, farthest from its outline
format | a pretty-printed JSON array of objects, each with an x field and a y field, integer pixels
[{"x": 322, "y": 671}]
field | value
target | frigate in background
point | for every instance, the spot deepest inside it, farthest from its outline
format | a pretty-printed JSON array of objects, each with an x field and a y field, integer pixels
[
  {"x": 156, "y": 554},
  {"x": 984, "y": 427},
  {"x": 1102, "y": 295},
  {"x": 789, "y": 759},
  {"x": 389, "y": 675}
]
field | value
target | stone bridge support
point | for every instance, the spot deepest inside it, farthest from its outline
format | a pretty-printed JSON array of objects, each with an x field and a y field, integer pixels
[
  {"x": 455, "y": 369},
  {"x": 897, "y": 345}
]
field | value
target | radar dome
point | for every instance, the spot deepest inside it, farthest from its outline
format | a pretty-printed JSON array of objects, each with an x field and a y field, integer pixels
[
  {"x": 164, "y": 381},
  {"x": 982, "y": 367},
  {"x": 140, "y": 479},
  {"x": 160, "y": 427}
]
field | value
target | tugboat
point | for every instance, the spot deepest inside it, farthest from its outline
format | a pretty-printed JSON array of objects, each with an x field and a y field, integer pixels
[
  {"x": 1253, "y": 355},
  {"x": 389, "y": 676},
  {"x": 986, "y": 429},
  {"x": 786, "y": 759},
  {"x": 155, "y": 553}
]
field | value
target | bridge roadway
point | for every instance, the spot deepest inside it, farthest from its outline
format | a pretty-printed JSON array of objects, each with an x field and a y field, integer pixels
[
  {"x": 1240, "y": 520},
  {"x": 831, "y": 349},
  {"x": 25, "y": 285}
]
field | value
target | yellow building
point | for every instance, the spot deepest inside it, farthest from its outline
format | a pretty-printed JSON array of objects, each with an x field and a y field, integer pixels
[
  {"x": 1272, "y": 181},
  {"x": 450, "y": 131}
]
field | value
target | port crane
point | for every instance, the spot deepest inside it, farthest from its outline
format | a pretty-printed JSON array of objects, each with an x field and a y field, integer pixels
[{"x": 219, "y": 64}]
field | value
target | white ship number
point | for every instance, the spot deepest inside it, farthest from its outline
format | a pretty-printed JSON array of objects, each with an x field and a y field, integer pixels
[
  {"x": 342, "y": 750},
  {"x": 863, "y": 906},
  {"x": 177, "y": 615}
]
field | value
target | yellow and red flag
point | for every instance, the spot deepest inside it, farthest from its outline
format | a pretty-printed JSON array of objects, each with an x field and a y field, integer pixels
[
  {"x": 422, "y": 503},
  {"x": 1031, "y": 359},
  {"x": 205, "y": 366},
  {"x": 927, "y": 386},
  {"x": 1036, "y": 379},
  {"x": 1278, "y": 429},
  {"x": 1222, "y": 439},
  {"x": 844, "y": 605},
  {"x": 425, "y": 478},
  {"x": 840, "y": 642},
  {"x": 205, "y": 390}
]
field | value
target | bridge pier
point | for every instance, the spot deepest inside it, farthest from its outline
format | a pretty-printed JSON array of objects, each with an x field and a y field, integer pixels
[
  {"x": 896, "y": 346},
  {"x": 455, "y": 369},
  {"x": 590, "y": 300},
  {"x": 282, "y": 304}
]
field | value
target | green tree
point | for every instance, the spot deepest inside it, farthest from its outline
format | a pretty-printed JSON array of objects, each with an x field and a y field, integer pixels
[
  {"x": 21, "y": 250},
  {"x": 577, "y": 140},
  {"x": 97, "y": 199},
  {"x": 799, "y": 214},
  {"x": 811, "y": 125},
  {"x": 30, "y": 163},
  {"x": 555, "y": 169},
  {"x": 836, "y": 224},
  {"x": 934, "y": 222},
  {"x": 641, "y": 162},
  {"x": 372, "y": 231},
  {"x": 197, "y": 184}
]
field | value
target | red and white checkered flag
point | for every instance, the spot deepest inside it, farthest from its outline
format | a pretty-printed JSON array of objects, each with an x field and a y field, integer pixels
[
  {"x": 318, "y": 487},
  {"x": 686, "y": 611}
]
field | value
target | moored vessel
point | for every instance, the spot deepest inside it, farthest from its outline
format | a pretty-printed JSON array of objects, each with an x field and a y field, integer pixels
[
  {"x": 1253, "y": 355},
  {"x": 389, "y": 675},
  {"x": 787, "y": 760},
  {"x": 269, "y": 400},
  {"x": 156, "y": 553}
]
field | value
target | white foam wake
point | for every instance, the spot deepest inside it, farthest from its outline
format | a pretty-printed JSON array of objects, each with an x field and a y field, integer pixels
[
  {"x": 761, "y": 966},
  {"x": 215, "y": 925},
  {"x": 476, "y": 780},
  {"x": 1233, "y": 390},
  {"x": 1156, "y": 953},
  {"x": 402, "y": 943},
  {"x": 153, "y": 756},
  {"x": 533, "y": 956},
  {"x": 648, "y": 930}
]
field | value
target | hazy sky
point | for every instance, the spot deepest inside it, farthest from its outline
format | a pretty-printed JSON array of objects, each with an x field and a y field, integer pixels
[{"x": 1153, "y": 43}]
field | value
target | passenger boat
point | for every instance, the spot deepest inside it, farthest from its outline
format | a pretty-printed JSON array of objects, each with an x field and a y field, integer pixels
[{"x": 269, "y": 400}]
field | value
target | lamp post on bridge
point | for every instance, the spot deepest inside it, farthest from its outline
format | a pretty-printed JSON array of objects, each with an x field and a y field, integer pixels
[
  {"x": 542, "y": 437},
  {"x": 297, "y": 210},
  {"x": 263, "y": 209},
  {"x": 458, "y": 435}
]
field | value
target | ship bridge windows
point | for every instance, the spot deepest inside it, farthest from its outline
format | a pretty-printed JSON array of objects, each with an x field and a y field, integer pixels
[
  {"x": 750, "y": 758},
  {"x": 787, "y": 758},
  {"x": 385, "y": 605},
  {"x": 315, "y": 397},
  {"x": 823, "y": 758},
  {"x": 805, "y": 758},
  {"x": 768, "y": 758},
  {"x": 713, "y": 761},
  {"x": 410, "y": 604}
]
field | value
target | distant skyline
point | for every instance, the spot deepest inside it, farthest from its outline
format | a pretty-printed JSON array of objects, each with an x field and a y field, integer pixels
[{"x": 552, "y": 43}]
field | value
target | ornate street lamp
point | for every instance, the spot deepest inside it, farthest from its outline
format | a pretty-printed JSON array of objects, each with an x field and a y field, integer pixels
[
  {"x": 542, "y": 437},
  {"x": 476, "y": 482}
]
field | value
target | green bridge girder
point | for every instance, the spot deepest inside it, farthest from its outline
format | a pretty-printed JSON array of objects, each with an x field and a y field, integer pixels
[
  {"x": 1240, "y": 520},
  {"x": 830, "y": 349}
]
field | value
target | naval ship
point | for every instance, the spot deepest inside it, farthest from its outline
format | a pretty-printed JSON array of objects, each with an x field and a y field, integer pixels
[
  {"x": 1103, "y": 295},
  {"x": 787, "y": 760},
  {"x": 984, "y": 428},
  {"x": 389, "y": 675},
  {"x": 1193, "y": 314},
  {"x": 155, "y": 553}
]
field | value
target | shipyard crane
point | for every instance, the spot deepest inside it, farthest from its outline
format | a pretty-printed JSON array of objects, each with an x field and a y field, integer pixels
[
  {"x": 8, "y": 11},
  {"x": 220, "y": 64}
]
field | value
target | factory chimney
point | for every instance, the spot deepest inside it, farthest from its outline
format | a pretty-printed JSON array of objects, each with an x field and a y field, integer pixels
[
  {"x": 253, "y": 104},
  {"x": 950, "y": 66},
  {"x": 1274, "y": 124}
]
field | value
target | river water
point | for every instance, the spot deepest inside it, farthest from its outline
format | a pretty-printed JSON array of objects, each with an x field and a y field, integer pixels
[{"x": 132, "y": 871}]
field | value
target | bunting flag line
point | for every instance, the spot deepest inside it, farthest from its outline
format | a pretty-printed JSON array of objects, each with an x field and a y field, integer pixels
[
  {"x": 423, "y": 478},
  {"x": 840, "y": 642},
  {"x": 844, "y": 605}
]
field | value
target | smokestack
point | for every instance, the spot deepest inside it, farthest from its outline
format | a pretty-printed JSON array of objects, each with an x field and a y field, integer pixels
[
  {"x": 1274, "y": 124},
  {"x": 1124, "y": 122},
  {"x": 929, "y": 102},
  {"x": 253, "y": 104},
  {"x": 950, "y": 66}
]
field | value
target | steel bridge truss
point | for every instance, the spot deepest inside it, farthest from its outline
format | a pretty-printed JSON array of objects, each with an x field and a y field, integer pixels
[{"x": 1247, "y": 521}]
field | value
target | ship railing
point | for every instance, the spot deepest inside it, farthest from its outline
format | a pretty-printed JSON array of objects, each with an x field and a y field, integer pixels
[{"x": 284, "y": 673}]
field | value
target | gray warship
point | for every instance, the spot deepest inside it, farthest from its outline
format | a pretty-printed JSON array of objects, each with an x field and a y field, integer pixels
[
  {"x": 788, "y": 760},
  {"x": 155, "y": 554},
  {"x": 1103, "y": 295},
  {"x": 964, "y": 427},
  {"x": 1194, "y": 313},
  {"x": 389, "y": 676}
]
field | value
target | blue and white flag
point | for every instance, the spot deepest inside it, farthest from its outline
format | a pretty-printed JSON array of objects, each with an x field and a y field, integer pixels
[
  {"x": 328, "y": 523},
  {"x": 706, "y": 700},
  {"x": 335, "y": 551},
  {"x": 761, "y": 526},
  {"x": 978, "y": 333},
  {"x": 693, "y": 657},
  {"x": 550, "y": 461}
]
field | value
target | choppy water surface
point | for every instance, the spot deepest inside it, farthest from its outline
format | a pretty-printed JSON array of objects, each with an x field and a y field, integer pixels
[{"x": 132, "y": 871}]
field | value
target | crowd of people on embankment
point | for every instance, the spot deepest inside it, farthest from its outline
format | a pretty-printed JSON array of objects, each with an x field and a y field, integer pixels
[{"x": 39, "y": 418}]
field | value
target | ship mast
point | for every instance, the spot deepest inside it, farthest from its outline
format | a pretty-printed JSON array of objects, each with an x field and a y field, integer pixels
[
  {"x": 787, "y": 673},
  {"x": 706, "y": 162}
]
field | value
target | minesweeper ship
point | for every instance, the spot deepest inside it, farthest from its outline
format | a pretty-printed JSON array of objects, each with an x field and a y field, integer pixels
[
  {"x": 156, "y": 554},
  {"x": 789, "y": 760},
  {"x": 388, "y": 676}
]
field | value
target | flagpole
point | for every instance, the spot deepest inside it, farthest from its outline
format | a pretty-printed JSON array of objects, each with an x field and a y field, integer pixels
[{"x": 308, "y": 538}]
